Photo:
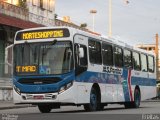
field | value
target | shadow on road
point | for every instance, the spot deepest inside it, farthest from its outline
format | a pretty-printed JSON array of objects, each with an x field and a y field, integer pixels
[
  {"x": 83, "y": 111},
  {"x": 109, "y": 109}
]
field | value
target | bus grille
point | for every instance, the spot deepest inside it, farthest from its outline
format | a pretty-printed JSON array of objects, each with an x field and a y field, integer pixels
[
  {"x": 36, "y": 81},
  {"x": 45, "y": 96}
]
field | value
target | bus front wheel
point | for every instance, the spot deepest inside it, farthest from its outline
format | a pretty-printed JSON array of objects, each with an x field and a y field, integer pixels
[
  {"x": 94, "y": 101},
  {"x": 44, "y": 108}
]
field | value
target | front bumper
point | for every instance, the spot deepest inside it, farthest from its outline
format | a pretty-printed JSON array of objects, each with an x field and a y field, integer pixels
[{"x": 68, "y": 96}]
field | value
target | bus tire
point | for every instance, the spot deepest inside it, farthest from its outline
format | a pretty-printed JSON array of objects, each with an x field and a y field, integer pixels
[
  {"x": 44, "y": 108},
  {"x": 136, "y": 102},
  {"x": 94, "y": 104},
  {"x": 137, "y": 98}
]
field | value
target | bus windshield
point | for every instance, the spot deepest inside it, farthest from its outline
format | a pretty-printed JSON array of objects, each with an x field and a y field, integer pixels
[{"x": 43, "y": 58}]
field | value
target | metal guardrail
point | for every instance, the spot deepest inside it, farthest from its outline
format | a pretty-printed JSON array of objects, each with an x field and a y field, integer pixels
[
  {"x": 6, "y": 89},
  {"x": 5, "y": 83},
  {"x": 5, "y": 76},
  {"x": 6, "y": 70}
]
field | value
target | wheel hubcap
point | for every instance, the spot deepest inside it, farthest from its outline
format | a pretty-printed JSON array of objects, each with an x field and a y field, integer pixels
[
  {"x": 137, "y": 99},
  {"x": 93, "y": 99}
]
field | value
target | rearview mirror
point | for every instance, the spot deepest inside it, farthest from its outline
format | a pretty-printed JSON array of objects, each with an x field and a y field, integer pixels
[{"x": 81, "y": 52}]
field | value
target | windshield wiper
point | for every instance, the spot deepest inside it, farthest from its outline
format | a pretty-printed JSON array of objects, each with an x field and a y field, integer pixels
[{"x": 54, "y": 42}]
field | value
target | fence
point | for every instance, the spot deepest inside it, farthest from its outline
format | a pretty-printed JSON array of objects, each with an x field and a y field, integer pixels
[
  {"x": 6, "y": 82},
  {"x": 6, "y": 75}
]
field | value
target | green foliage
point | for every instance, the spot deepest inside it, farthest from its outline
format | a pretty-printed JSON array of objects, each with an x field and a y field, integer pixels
[
  {"x": 84, "y": 25},
  {"x": 22, "y": 3}
]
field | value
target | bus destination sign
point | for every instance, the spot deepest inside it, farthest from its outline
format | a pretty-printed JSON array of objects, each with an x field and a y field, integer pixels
[{"x": 42, "y": 34}]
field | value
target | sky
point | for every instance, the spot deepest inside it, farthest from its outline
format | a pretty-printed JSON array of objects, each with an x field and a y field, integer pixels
[{"x": 134, "y": 23}]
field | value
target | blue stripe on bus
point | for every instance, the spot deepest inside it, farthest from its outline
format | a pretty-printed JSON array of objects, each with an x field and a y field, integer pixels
[
  {"x": 24, "y": 88},
  {"x": 143, "y": 81},
  {"x": 95, "y": 77},
  {"x": 89, "y": 77}
]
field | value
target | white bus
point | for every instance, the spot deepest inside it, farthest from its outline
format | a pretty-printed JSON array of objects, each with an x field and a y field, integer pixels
[{"x": 55, "y": 66}]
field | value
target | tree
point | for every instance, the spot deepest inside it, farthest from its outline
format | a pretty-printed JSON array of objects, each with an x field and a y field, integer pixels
[{"x": 22, "y": 3}]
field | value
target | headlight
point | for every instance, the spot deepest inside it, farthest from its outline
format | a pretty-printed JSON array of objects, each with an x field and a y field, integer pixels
[
  {"x": 65, "y": 87},
  {"x": 62, "y": 89},
  {"x": 17, "y": 90}
]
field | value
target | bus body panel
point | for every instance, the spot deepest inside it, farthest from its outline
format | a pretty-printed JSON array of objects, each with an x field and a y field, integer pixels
[
  {"x": 79, "y": 93},
  {"x": 115, "y": 86}
]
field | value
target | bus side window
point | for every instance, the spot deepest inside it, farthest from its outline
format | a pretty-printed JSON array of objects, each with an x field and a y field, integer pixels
[
  {"x": 107, "y": 53},
  {"x": 151, "y": 64},
  {"x": 94, "y": 51},
  {"x": 118, "y": 56},
  {"x": 144, "y": 62},
  {"x": 136, "y": 61},
  {"x": 127, "y": 58}
]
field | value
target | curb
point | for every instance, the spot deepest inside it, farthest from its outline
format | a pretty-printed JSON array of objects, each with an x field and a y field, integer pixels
[
  {"x": 16, "y": 107},
  {"x": 152, "y": 100}
]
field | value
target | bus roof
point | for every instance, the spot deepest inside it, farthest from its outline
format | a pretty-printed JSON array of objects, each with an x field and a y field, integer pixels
[{"x": 61, "y": 32}]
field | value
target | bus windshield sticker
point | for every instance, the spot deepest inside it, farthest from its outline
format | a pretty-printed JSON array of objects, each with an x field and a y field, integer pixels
[
  {"x": 44, "y": 69},
  {"x": 58, "y": 45}
]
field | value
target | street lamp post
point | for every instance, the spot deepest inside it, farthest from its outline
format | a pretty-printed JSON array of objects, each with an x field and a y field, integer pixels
[
  {"x": 110, "y": 16},
  {"x": 93, "y": 12}
]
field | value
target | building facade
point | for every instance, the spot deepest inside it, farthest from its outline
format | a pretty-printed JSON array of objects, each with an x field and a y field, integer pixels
[{"x": 41, "y": 11}]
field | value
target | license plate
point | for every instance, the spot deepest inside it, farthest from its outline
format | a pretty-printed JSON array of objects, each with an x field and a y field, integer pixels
[{"x": 38, "y": 97}]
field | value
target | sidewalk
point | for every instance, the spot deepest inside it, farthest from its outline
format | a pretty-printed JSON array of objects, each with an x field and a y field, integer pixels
[{"x": 10, "y": 105}]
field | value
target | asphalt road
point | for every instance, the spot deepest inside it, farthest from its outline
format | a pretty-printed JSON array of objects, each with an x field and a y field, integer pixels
[{"x": 147, "y": 111}]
